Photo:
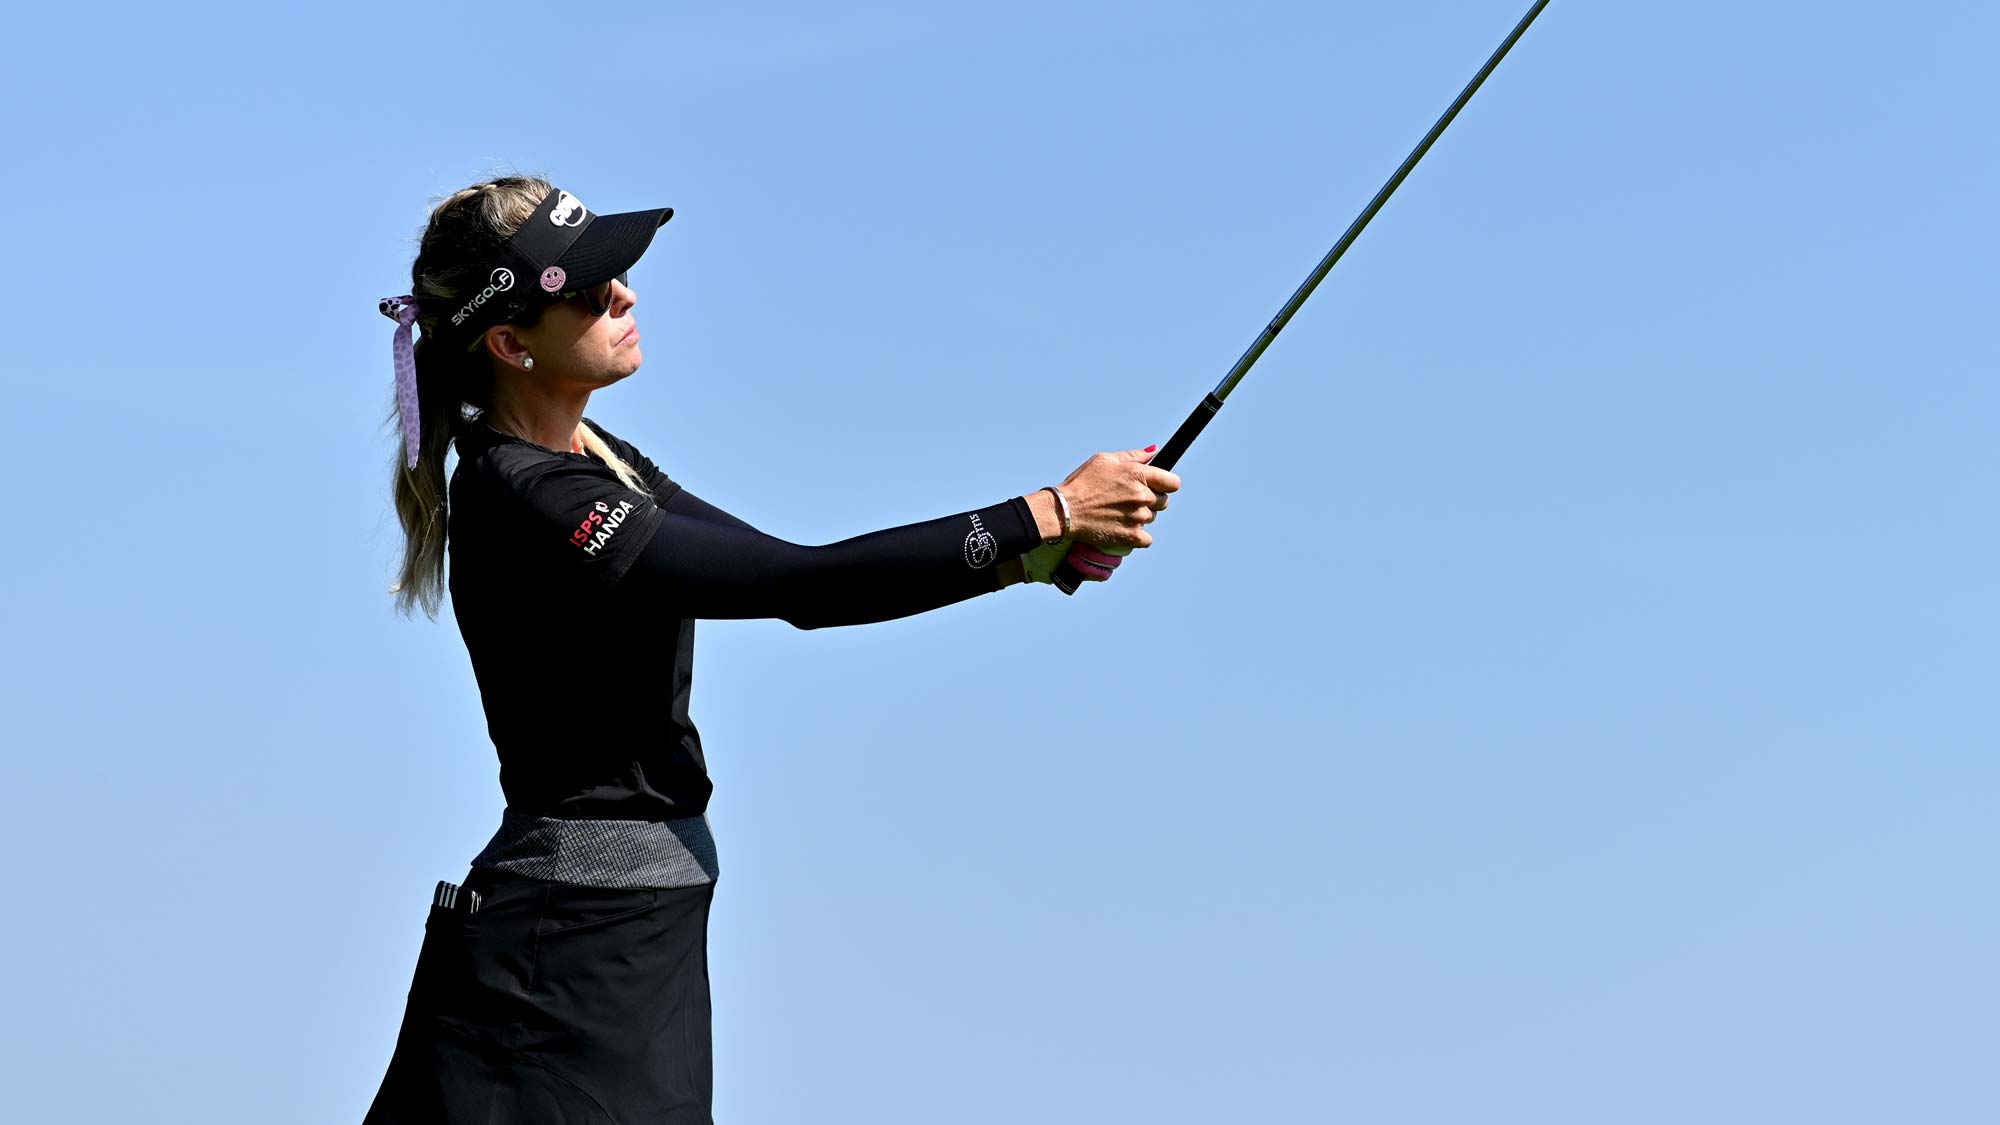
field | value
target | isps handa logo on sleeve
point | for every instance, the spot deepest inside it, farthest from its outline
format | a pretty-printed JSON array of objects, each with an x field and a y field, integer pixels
[{"x": 599, "y": 525}]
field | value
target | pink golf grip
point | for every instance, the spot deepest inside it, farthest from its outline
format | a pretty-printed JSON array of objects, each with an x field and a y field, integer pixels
[{"x": 1093, "y": 563}]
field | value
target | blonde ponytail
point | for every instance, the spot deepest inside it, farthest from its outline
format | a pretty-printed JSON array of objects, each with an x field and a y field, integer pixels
[{"x": 464, "y": 232}]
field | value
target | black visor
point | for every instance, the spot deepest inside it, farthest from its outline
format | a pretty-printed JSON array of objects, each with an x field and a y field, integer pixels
[{"x": 563, "y": 247}]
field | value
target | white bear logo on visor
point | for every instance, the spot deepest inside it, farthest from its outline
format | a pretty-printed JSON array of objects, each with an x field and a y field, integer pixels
[{"x": 568, "y": 212}]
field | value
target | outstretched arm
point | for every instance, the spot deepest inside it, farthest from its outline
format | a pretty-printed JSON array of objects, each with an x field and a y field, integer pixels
[
  {"x": 1008, "y": 572},
  {"x": 696, "y": 560},
  {"x": 702, "y": 562}
]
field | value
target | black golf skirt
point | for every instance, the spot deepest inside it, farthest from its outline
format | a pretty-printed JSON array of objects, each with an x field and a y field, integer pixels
[{"x": 553, "y": 1003}]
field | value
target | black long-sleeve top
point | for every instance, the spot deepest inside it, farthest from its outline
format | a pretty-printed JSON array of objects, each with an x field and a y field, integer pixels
[{"x": 566, "y": 586}]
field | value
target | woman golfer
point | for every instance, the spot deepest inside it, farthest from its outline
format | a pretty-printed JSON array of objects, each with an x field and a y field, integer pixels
[{"x": 566, "y": 978}]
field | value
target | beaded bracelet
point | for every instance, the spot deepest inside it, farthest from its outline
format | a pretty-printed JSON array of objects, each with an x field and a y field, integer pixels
[{"x": 1062, "y": 509}]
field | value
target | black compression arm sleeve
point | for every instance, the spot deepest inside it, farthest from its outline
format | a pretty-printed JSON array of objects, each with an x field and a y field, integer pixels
[
  {"x": 702, "y": 562},
  {"x": 685, "y": 503}
]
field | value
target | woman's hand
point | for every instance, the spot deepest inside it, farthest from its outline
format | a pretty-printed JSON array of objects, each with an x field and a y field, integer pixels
[{"x": 1112, "y": 497}]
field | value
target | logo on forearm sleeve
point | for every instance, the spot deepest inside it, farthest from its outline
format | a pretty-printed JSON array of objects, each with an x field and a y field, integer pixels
[
  {"x": 600, "y": 525},
  {"x": 980, "y": 546}
]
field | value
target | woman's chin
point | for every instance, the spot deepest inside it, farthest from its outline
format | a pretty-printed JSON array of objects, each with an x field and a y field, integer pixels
[{"x": 624, "y": 370}]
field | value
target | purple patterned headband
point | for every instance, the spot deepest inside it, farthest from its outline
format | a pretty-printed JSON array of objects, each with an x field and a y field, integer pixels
[{"x": 403, "y": 310}]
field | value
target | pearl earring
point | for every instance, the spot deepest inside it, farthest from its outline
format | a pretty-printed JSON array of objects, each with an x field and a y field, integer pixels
[{"x": 528, "y": 362}]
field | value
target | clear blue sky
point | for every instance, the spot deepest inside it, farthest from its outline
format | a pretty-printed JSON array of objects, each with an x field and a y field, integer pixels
[{"x": 1564, "y": 690}]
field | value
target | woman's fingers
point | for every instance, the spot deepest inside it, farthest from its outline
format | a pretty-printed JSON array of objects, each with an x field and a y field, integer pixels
[
  {"x": 1129, "y": 538},
  {"x": 1114, "y": 495}
]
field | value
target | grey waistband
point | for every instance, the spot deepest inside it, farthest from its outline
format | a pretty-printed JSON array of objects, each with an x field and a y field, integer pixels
[{"x": 603, "y": 853}]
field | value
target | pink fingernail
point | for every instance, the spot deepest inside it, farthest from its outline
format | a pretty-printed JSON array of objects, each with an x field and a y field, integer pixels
[{"x": 1150, "y": 448}]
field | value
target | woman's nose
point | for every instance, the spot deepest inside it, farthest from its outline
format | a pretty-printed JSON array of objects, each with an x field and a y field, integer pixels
[{"x": 622, "y": 297}]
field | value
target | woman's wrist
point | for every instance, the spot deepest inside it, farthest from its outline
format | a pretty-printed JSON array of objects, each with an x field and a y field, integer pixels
[{"x": 1048, "y": 518}]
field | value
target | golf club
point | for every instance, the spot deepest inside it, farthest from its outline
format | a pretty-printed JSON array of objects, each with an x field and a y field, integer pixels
[{"x": 1067, "y": 578}]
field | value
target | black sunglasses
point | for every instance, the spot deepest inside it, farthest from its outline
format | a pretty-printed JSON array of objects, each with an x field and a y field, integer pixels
[{"x": 597, "y": 298}]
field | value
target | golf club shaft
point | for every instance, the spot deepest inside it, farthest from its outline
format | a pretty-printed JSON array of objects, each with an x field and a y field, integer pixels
[{"x": 1067, "y": 579}]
